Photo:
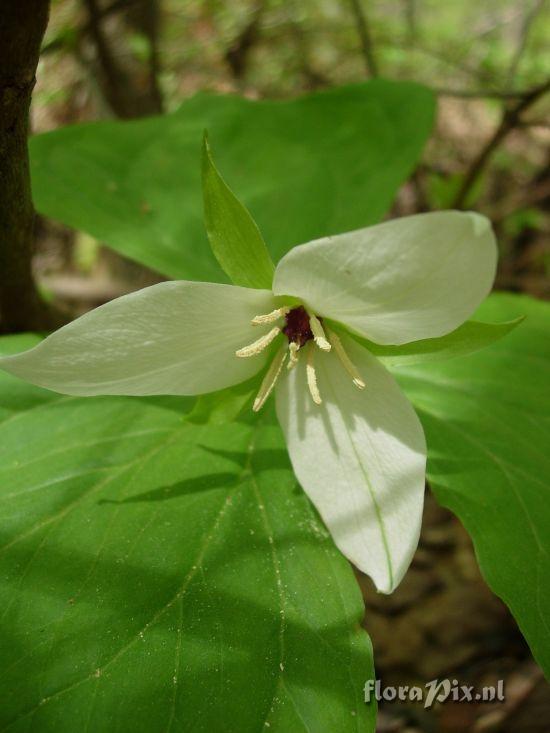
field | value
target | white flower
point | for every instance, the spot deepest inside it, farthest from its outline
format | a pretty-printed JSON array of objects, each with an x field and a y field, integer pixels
[{"x": 355, "y": 442}]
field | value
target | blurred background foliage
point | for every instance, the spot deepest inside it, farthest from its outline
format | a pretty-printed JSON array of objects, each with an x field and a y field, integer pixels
[{"x": 131, "y": 58}]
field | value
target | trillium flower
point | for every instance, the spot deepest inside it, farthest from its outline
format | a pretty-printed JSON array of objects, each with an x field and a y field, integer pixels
[{"x": 355, "y": 442}]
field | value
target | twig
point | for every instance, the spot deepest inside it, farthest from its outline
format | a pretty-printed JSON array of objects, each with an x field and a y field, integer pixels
[
  {"x": 511, "y": 117},
  {"x": 111, "y": 73},
  {"x": 363, "y": 31},
  {"x": 503, "y": 94},
  {"x": 124, "y": 96},
  {"x": 525, "y": 29},
  {"x": 313, "y": 78},
  {"x": 61, "y": 40},
  {"x": 533, "y": 124},
  {"x": 525, "y": 198},
  {"x": 452, "y": 61},
  {"x": 238, "y": 53},
  {"x": 410, "y": 18},
  {"x": 145, "y": 18}
]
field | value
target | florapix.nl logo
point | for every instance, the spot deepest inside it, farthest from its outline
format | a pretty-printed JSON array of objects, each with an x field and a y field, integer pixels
[{"x": 433, "y": 691}]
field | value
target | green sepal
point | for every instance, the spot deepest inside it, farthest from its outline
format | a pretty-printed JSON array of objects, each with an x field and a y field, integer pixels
[
  {"x": 234, "y": 237},
  {"x": 466, "y": 339}
]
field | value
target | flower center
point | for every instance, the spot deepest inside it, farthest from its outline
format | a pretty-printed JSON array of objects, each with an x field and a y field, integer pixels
[
  {"x": 300, "y": 328},
  {"x": 297, "y": 328}
]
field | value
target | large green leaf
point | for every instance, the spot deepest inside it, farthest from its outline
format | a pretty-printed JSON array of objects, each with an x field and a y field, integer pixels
[
  {"x": 161, "y": 571},
  {"x": 320, "y": 164},
  {"x": 487, "y": 423}
]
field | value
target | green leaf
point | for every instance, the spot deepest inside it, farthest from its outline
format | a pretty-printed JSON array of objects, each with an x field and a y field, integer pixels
[
  {"x": 320, "y": 164},
  {"x": 234, "y": 237},
  {"x": 486, "y": 418},
  {"x": 467, "y": 339},
  {"x": 161, "y": 573}
]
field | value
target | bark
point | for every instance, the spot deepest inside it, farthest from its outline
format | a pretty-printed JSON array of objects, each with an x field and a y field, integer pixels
[{"x": 22, "y": 26}]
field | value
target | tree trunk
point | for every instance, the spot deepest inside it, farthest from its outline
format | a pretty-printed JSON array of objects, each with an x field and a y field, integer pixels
[{"x": 22, "y": 26}]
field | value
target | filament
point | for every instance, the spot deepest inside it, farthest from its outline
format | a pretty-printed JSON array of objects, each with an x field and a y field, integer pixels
[
  {"x": 270, "y": 379},
  {"x": 347, "y": 363}
]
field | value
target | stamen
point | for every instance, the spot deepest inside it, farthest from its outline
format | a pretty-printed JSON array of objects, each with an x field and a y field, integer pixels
[
  {"x": 293, "y": 350},
  {"x": 270, "y": 317},
  {"x": 258, "y": 346},
  {"x": 347, "y": 363},
  {"x": 270, "y": 379},
  {"x": 312, "y": 377},
  {"x": 318, "y": 333}
]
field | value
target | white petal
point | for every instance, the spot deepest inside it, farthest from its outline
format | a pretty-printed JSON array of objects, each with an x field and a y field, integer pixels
[
  {"x": 412, "y": 278},
  {"x": 172, "y": 338},
  {"x": 361, "y": 458}
]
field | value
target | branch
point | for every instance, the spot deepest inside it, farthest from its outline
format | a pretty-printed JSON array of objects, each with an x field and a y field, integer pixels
[
  {"x": 511, "y": 118},
  {"x": 450, "y": 56},
  {"x": 525, "y": 198},
  {"x": 64, "y": 40},
  {"x": 503, "y": 94},
  {"x": 238, "y": 53},
  {"x": 410, "y": 18},
  {"x": 363, "y": 31},
  {"x": 114, "y": 80},
  {"x": 145, "y": 17},
  {"x": 122, "y": 92},
  {"x": 525, "y": 29}
]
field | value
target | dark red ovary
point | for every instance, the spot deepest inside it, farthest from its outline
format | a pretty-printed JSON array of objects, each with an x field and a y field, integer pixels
[{"x": 297, "y": 326}]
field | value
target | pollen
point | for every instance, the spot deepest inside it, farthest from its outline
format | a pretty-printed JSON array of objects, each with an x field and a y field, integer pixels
[
  {"x": 311, "y": 376},
  {"x": 318, "y": 333},
  {"x": 270, "y": 317},
  {"x": 293, "y": 351}
]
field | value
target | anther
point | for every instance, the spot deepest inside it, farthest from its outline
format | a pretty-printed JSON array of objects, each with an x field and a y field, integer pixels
[
  {"x": 318, "y": 333},
  {"x": 293, "y": 350},
  {"x": 312, "y": 377},
  {"x": 258, "y": 346},
  {"x": 270, "y": 317},
  {"x": 269, "y": 380},
  {"x": 347, "y": 363}
]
